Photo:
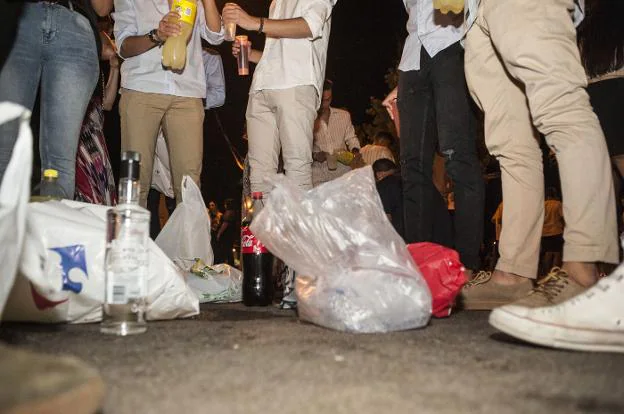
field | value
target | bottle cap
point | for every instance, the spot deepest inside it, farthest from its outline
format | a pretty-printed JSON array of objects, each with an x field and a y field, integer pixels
[
  {"x": 130, "y": 165},
  {"x": 50, "y": 173},
  {"x": 256, "y": 195}
]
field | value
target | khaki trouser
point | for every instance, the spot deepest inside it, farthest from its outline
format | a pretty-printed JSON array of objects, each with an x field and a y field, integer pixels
[
  {"x": 182, "y": 120},
  {"x": 281, "y": 119},
  {"x": 523, "y": 69}
]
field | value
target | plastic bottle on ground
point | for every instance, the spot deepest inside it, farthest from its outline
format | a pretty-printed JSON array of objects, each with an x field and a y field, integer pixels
[{"x": 48, "y": 188}]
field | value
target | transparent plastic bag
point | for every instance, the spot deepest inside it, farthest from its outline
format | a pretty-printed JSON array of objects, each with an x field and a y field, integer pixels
[{"x": 354, "y": 272}]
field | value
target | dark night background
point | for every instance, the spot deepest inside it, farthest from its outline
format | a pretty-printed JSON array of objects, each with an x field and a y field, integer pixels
[{"x": 365, "y": 42}]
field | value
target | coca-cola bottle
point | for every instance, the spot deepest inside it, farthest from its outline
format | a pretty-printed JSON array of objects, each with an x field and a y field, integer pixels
[{"x": 257, "y": 261}]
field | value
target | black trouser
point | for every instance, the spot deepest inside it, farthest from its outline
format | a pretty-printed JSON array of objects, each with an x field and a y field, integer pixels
[
  {"x": 435, "y": 111},
  {"x": 153, "y": 205}
]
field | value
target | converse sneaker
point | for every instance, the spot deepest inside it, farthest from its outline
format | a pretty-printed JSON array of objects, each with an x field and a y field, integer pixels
[
  {"x": 481, "y": 293},
  {"x": 32, "y": 383},
  {"x": 592, "y": 321}
]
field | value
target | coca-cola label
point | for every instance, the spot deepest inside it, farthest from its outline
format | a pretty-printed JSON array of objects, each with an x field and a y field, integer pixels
[{"x": 250, "y": 244}]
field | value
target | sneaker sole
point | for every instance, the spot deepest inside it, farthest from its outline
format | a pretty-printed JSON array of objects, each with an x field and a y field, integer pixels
[
  {"x": 85, "y": 399},
  {"x": 557, "y": 336}
]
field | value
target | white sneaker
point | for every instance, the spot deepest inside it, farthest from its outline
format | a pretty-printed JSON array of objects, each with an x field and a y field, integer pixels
[{"x": 591, "y": 321}]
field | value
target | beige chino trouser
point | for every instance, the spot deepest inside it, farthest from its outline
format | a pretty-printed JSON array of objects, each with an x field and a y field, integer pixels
[
  {"x": 281, "y": 119},
  {"x": 182, "y": 120},
  {"x": 523, "y": 69}
]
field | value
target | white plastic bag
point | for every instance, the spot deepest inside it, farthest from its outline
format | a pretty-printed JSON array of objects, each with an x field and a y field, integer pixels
[
  {"x": 62, "y": 269},
  {"x": 14, "y": 193},
  {"x": 186, "y": 235},
  {"x": 217, "y": 284},
  {"x": 359, "y": 276}
]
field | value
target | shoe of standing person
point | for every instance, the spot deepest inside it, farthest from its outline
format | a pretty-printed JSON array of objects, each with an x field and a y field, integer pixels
[
  {"x": 555, "y": 288},
  {"x": 34, "y": 383},
  {"x": 592, "y": 321},
  {"x": 482, "y": 293}
]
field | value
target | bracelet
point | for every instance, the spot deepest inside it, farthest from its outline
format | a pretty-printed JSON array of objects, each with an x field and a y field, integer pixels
[{"x": 261, "y": 28}]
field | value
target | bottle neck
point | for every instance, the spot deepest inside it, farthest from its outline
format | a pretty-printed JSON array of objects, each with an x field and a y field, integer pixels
[{"x": 129, "y": 191}]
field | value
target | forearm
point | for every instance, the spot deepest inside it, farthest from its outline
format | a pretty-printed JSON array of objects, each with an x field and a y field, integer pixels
[
  {"x": 255, "y": 56},
  {"x": 213, "y": 18},
  {"x": 222, "y": 229},
  {"x": 110, "y": 91},
  {"x": 102, "y": 7},
  {"x": 287, "y": 28},
  {"x": 135, "y": 45}
]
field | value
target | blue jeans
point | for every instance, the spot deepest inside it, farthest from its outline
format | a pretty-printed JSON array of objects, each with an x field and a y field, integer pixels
[
  {"x": 54, "y": 47},
  {"x": 436, "y": 115}
]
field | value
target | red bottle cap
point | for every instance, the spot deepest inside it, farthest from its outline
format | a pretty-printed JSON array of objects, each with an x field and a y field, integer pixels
[{"x": 257, "y": 195}]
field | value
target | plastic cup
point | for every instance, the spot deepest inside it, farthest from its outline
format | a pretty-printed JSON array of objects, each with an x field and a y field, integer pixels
[
  {"x": 243, "y": 55},
  {"x": 332, "y": 161},
  {"x": 230, "y": 32}
]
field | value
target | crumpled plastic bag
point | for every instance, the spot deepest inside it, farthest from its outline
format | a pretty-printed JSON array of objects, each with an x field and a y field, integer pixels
[
  {"x": 444, "y": 273},
  {"x": 14, "y": 193},
  {"x": 354, "y": 272},
  {"x": 216, "y": 284},
  {"x": 187, "y": 232}
]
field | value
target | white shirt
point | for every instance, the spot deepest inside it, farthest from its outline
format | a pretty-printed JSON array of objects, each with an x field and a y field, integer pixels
[
  {"x": 371, "y": 153},
  {"x": 434, "y": 31},
  {"x": 471, "y": 8},
  {"x": 337, "y": 134},
  {"x": 288, "y": 63},
  {"x": 144, "y": 72},
  {"x": 215, "y": 79},
  {"x": 161, "y": 173}
]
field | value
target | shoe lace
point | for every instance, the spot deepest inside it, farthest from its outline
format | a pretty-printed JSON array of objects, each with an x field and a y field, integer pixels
[
  {"x": 552, "y": 285},
  {"x": 480, "y": 278}
]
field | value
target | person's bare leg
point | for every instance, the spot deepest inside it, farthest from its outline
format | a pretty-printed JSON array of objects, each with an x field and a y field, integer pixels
[
  {"x": 585, "y": 274},
  {"x": 506, "y": 278}
]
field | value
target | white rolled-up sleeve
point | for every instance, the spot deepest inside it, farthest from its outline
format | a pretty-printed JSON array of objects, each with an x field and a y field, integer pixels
[
  {"x": 316, "y": 14},
  {"x": 214, "y": 38},
  {"x": 125, "y": 22}
]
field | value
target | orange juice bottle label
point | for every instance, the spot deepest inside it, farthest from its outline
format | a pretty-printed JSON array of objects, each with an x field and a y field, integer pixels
[{"x": 186, "y": 9}]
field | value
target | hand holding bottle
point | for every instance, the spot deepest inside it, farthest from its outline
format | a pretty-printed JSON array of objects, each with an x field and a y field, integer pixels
[{"x": 169, "y": 26}]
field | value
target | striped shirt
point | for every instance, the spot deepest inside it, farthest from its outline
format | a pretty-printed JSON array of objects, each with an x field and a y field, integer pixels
[
  {"x": 371, "y": 153},
  {"x": 337, "y": 134}
]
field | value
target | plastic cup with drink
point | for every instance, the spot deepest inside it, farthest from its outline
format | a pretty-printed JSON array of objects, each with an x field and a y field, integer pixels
[
  {"x": 332, "y": 161},
  {"x": 243, "y": 55},
  {"x": 230, "y": 32}
]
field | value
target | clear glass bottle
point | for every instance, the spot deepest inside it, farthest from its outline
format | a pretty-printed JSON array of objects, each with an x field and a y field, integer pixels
[
  {"x": 48, "y": 188},
  {"x": 127, "y": 256}
]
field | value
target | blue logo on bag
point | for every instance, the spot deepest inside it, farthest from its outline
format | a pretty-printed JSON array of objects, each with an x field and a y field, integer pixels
[{"x": 72, "y": 257}]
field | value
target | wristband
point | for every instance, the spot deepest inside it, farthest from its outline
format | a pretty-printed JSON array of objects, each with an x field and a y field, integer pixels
[{"x": 261, "y": 28}]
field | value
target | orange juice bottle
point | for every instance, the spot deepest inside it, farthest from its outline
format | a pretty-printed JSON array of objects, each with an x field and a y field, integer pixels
[
  {"x": 174, "y": 51},
  {"x": 445, "y": 6}
]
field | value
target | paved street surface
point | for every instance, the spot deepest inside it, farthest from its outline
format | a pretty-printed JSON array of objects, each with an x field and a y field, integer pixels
[{"x": 233, "y": 359}]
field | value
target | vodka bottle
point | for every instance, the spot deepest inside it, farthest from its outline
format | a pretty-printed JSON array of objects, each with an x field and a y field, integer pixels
[{"x": 127, "y": 255}]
